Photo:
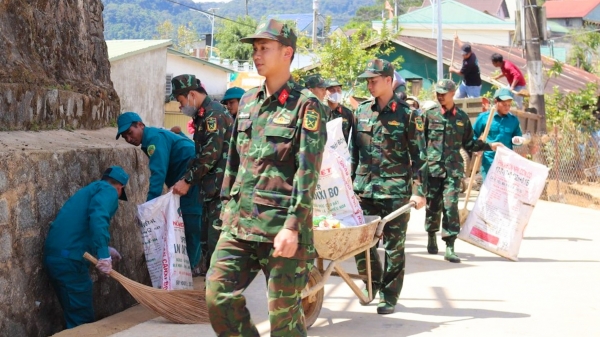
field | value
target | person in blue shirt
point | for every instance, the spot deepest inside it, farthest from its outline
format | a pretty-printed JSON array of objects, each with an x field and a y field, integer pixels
[
  {"x": 169, "y": 155},
  {"x": 505, "y": 127},
  {"x": 82, "y": 226}
]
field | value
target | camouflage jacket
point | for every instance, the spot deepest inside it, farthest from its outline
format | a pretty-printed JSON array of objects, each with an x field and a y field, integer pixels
[
  {"x": 348, "y": 119},
  {"x": 212, "y": 133},
  {"x": 273, "y": 165},
  {"x": 387, "y": 149},
  {"x": 446, "y": 132}
]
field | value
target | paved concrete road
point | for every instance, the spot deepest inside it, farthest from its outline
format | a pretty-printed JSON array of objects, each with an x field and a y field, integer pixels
[{"x": 551, "y": 291}]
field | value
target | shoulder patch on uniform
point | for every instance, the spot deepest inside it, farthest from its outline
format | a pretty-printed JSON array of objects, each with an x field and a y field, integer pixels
[
  {"x": 419, "y": 123},
  {"x": 151, "y": 150},
  {"x": 211, "y": 124},
  {"x": 312, "y": 119}
]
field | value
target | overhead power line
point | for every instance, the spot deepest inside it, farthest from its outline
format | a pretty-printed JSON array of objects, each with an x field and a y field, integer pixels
[{"x": 209, "y": 13}]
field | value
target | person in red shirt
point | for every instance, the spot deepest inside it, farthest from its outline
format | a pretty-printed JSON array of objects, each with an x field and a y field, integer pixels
[{"x": 513, "y": 75}]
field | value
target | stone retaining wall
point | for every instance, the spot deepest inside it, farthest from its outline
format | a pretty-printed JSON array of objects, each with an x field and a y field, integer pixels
[{"x": 39, "y": 171}]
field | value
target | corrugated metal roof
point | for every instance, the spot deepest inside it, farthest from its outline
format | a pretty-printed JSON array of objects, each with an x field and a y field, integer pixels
[
  {"x": 490, "y": 6},
  {"x": 120, "y": 49},
  {"x": 195, "y": 59},
  {"x": 571, "y": 79},
  {"x": 558, "y": 9},
  {"x": 452, "y": 13}
]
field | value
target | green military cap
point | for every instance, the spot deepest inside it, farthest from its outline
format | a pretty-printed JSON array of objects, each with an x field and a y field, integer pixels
[
  {"x": 378, "y": 67},
  {"x": 333, "y": 83},
  {"x": 118, "y": 174},
  {"x": 125, "y": 120},
  {"x": 273, "y": 30},
  {"x": 444, "y": 86},
  {"x": 315, "y": 81},
  {"x": 503, "y": 94},
  {"x": 182, "y": 84}
]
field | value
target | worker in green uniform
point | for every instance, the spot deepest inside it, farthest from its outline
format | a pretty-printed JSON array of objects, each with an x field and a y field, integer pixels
[
  {"x": 387, "y": 149},
  {"x": 231, "y": 100},
  {"x": 334, "y": 100},
  {"x": 448, "y": 128},
  {"x": 82, "y": 226},
  {"x": 169, "y": 155},
  {"x": 272, "y": 171},
  {"x": 212, "y": 133}
]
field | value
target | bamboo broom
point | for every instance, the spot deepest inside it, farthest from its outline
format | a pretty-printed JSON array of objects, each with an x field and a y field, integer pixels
[{"x": 178, "y": 306}]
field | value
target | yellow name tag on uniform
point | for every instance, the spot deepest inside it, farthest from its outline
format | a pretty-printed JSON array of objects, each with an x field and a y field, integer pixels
[
  {"x": 282, "y": 120},
  {"x": 460, "y": 123},
  {"x": 243, "y": 115},
  {"x": 394, "y": 123}
]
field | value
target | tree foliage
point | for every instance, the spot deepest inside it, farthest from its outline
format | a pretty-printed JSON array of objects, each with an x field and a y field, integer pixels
[
  {"x": 345, "y": 58},
  {"x": 584, "y": 50},
  {"x": 575, "y": 108},
  {"x": 183, "y": 37},
  {"x": 228, "y": 35}
]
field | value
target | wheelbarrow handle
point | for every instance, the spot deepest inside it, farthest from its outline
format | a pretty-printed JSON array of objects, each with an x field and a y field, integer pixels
[{"x": 393, "y": 216}]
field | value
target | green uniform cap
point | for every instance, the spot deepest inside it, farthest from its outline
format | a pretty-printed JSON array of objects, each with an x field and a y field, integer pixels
[
  {"x": 182, "y": 84},
  {"x": 378, "y": 67},
  {"x": 503, "y": 94},
  {"x": 333, "y": 83},
  {"x": 124, "y": 121},
  {"x": 444, "y": 86},
  {"x": 315, "y": 81},
  {"x": 235, "y": 92},
  {"x": 273, "y": 30},
  {"x": 117, "y": 173}
]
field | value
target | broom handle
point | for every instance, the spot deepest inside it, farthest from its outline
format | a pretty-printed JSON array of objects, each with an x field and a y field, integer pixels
[
  {"x": 452, "y": 57},
  {"x": 478, "y": 159},
  {"x": 93, "y": 260}
]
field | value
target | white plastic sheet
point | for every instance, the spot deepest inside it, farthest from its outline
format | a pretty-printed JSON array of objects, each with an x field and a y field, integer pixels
[
  {"x": 164, "y": 243},
  {"x": 505, "y": 203}
]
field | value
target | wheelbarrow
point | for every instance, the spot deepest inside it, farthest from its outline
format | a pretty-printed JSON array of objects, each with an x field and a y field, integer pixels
[{"x": 337, "y": 245}]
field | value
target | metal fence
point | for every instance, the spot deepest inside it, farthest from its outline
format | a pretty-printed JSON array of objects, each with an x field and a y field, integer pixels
[{"x": 573, "y": 157}]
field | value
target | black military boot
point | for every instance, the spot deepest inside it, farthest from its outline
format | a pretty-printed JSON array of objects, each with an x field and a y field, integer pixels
[
  {"x": 450, "y": 255},
  {"x": 432, "y": 247}
]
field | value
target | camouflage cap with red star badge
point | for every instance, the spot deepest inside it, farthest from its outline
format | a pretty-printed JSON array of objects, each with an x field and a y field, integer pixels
[{"x": 273, "y": 30}]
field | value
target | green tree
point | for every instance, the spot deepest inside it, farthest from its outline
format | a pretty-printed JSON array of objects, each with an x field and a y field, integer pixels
[
  {"x": 345, "y": 58},
  {"x": 584, "y": 50},
  {"x": 183, "y": 37},
  {"x": 228, "y": 35}
]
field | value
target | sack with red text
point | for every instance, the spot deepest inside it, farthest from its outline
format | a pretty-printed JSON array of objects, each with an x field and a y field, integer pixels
[
  {"x": 334, "y": 196},
  {"x": 164, "y": 243}
]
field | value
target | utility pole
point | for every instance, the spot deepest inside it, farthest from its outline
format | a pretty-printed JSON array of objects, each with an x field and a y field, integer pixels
[
  {"x": 534, "y": 61},
  {"x": 314, "y": 32},
  {"x": 246, "y": 7},
  {"x": 440, "y": 53}
]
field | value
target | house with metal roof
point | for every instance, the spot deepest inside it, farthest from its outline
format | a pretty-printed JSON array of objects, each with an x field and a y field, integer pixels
[
  {"x": 497, "y": 8},
  {"x": 469, "y": 23},
  {"x": 420, "y": 59},
  {"x": 573, "y": 13},
  {"x": 137, "y": 70}
]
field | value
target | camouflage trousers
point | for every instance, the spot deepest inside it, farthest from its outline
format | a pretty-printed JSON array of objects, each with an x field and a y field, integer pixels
[
  {"x": 211, "y": 229},
  {"x": 389, "y": 282},
  {"x": 234, "y": 265},
  {"x": 442, "y": 196}
]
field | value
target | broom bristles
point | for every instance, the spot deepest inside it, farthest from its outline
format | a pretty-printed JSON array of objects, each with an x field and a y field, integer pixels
[{"x": 178, "y": 306}]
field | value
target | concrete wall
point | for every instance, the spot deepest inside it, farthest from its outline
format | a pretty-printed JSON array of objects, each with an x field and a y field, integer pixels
[
  {"x": 140, "y": 82},
  {"x": 214, "y": 80},
  {"x": 39, "y": 171}
]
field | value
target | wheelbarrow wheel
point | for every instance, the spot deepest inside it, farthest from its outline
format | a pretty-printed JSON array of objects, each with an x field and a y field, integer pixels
[{"x": 312, "y": 304}]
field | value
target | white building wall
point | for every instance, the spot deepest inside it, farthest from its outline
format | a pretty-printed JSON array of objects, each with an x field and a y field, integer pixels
[
  {"x": 214, "y": 80},
  {"x": 140, "y": 82}
]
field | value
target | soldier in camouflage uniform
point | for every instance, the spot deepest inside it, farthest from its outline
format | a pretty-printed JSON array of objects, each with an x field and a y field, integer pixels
[
  {"x": 212, "y": 132},
  {"x": 448, "y": 128},
  {"x": 387, "y": 148},
  {"x": 316, "y": 84},
  {"x": 272, "y": 171},
  {"x": 334, "y": 98}
]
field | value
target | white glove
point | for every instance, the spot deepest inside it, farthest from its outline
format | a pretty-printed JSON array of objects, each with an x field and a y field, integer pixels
[
  {"x": 104, "y": 265},
  {"x": 516, "y": 140},
  {"x": 114, "y": 254}
]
